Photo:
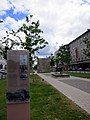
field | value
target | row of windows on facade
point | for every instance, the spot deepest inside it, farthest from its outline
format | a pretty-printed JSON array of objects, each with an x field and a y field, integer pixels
[{"x": 79, "y": 59}]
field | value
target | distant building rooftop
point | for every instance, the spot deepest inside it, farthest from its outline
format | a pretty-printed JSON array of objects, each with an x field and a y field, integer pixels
[{"x": 88, "y": 30}]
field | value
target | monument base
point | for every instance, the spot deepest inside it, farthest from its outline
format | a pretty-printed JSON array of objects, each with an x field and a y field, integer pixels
[
  {"x": 60, "y": 75},
  {"x": 18, "y": 111}
]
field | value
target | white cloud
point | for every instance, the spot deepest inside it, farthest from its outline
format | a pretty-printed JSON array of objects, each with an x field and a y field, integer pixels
[
  {"x": 4, "y": 5},
  {"x": 2, "y": 33},
  {"x": 2, "y": 12},
  {"x": 61, "y": 20},
  {"x": 20, "y": 6},
  {"x": 9, "y": 24}
]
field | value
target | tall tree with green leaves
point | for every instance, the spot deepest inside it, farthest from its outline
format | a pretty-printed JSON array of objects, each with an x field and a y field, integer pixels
[
  {"x": 33, "y": 40},
  {"x": 63, "y": 55},
  {"x": 86, "y": 51},
  {"x": 8, "y": 42},
  {"x": 52, "y": 60}
]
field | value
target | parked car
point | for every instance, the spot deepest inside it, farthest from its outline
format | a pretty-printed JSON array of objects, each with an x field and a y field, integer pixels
[
  {"x": 80, "y": 69},
  {"x": 87, "y": 69},
  {"x": 3, "y": 71}
]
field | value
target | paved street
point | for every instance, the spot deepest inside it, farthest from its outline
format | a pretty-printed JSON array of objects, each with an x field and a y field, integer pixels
[
  {"x": 77, "y": 83},
  {"x": 76, "y": 89}
]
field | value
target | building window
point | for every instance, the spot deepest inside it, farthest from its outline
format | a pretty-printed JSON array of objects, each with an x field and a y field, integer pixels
[
  {"x": 76, "y": 54},
  {"x": 85, "y": 57},
  {"x": 79, "y": 59}
]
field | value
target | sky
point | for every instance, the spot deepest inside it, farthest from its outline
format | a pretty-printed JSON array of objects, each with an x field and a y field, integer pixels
[{"x": 61, "y": 20}]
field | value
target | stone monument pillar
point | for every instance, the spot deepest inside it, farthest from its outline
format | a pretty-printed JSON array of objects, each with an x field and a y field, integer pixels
[{"x": 18, "y": 85}]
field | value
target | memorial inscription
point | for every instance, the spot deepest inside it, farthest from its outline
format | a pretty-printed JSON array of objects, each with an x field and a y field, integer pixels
[{"x": 23, "y": 67}]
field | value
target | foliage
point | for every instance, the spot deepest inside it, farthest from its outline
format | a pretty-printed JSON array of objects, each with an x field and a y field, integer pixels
[
  {"x": 87, "y": 50},
  {"x": 9, "y": 42},
  {"x": 57, "y": 60},
  {"x": 63, "y": 55},
  {"x": 52, "y": 60},
  {"x": 79, "y": 74},
  {"x": 33, "y": 41}
]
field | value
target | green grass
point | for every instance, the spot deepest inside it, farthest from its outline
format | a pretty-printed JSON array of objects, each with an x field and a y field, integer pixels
[
  {"x": 78, "y": 74},
  {"x": 46, "y": 103},
  {"x": 2, "y": 100}
]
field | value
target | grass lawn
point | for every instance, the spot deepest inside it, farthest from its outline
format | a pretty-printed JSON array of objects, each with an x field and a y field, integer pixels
[
  {"x": 2, "y": 100},
  {"x": 78, "y": 74},
  {"x": 46, "y": 103}
]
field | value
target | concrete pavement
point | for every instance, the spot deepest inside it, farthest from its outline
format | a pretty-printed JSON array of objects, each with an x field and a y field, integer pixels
[{"x": 81, "y": 98}]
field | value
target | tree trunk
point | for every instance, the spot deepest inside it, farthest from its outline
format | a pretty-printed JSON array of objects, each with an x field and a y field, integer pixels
[{"x": 30, "y": 63}]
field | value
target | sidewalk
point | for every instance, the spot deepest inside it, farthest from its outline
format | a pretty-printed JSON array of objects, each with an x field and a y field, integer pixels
[{"x": 80, "y": 97}]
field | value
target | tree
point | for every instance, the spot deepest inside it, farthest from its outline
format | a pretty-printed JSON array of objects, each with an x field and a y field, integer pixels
[
  {"x": 33, "y": 41},
  {"x": 63, "y": 55},
  {"x": 9, "y": 42},
  {"x": 52, "y": 60},
  {"x": 87, "y": 50},
  {"x": 57, "y": 60}
]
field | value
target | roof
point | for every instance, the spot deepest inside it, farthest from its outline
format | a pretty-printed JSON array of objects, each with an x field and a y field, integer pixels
[{"x": 88, "y": 30}]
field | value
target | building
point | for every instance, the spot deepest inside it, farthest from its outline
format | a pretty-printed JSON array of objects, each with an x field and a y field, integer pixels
[
  {"x": 43, "y": 65},
  {"x": 79, "y": 61},
  {"x": 76, "y": 47}
]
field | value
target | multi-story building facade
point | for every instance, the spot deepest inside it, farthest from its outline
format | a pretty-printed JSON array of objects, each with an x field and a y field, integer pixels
[
  {"x": 79, "y": 61},
  {"x": 76, "y": 47}
]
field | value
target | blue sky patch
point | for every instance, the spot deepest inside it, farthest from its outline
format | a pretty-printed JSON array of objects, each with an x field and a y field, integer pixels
[{"x": 10, "y": 13}]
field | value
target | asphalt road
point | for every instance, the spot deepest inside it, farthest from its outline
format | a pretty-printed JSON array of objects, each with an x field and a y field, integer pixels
[{"x": 78, "y": 83}]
